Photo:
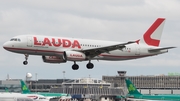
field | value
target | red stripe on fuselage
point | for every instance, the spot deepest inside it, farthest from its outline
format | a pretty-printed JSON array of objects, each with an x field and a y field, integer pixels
[
  {"x": 105, "y": 55},
  {"x": 113, "y": 56},
  {"x": 8, "y": 48}
]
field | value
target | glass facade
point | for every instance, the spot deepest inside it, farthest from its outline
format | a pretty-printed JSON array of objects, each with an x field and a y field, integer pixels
[{"x": 10, "y": 85}]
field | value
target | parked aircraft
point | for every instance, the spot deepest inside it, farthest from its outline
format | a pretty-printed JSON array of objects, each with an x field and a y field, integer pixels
[
  {"x": 134, "y": 93},
  {"x": 25, "y": 90},
  {"x": 61, "y": 49},
  {"x": 35, "y": 97}
]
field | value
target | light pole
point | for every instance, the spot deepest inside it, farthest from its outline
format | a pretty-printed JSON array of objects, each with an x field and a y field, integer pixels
[
  {"x": 63, "y": 80},
  {"x": 63, "y": 75},
  {"x": 36, "y": 83}
]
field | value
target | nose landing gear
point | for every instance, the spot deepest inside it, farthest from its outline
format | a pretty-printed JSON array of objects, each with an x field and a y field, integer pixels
[
  {"x": 25, "y": 62},
  {"x": 26, "y": 58}
]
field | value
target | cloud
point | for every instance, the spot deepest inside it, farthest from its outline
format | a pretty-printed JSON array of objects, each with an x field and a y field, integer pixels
[{"x": 120, "y": 21}]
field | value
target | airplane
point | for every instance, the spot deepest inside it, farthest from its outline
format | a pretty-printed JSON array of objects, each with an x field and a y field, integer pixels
[
  {"x": 25, "y": 90},
  {"x": 61, "y": 49},
  {"x": 10, "y": 95},
  {"x": 134, "y": 93}
]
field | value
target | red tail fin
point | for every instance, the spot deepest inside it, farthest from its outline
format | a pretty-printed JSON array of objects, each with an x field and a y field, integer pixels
[{"x": 153, "y": 35}]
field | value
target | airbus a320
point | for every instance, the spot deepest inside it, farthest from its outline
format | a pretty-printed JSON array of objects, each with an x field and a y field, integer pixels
[{"x": 62, "y": 49}]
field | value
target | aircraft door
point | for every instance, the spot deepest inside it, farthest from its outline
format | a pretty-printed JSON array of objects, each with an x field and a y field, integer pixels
[
  {"x": 29, "y": 41},
  {"x": 137, "y": 50}
]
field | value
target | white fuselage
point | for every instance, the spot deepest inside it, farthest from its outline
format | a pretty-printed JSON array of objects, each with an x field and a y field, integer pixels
[
  {"x": 35, "y": 97},
  {"x": 61, "y": 49},
  {"x": 54, "y": 46}
]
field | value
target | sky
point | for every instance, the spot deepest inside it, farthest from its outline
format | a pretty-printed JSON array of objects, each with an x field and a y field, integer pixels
[{"x": 112, "y": 20}]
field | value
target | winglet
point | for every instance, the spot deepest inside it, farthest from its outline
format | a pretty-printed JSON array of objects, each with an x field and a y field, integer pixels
[
  {"x": 24, "y": 87},
  {"x": 137, "y": 41}
]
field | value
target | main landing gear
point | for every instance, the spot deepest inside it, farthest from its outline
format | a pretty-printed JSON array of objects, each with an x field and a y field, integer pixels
[
  {"x": 76, "y": 66},
  {"x": 26, "y": 58},
  {"x": 90, "y": 65}
]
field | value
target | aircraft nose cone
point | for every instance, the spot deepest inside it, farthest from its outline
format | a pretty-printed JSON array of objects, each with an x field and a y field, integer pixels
[{"x": 5, "y": 45}]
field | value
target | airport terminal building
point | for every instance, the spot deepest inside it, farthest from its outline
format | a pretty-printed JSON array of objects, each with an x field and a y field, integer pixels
[
  {"x": 109, "y": 85},
  {"x": 145, "y": 81}
]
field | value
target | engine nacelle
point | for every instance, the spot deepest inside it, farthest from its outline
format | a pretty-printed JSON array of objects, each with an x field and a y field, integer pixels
[
  {"x": 54, "y": 59},
  {"x": 74, "y": 56}
]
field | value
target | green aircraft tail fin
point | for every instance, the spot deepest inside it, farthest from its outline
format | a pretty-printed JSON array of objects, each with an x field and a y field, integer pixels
[
  {"x": 131, "y": 88},
  {"x": 24, "y": 87},
  {"x": 6, "y": 89}
]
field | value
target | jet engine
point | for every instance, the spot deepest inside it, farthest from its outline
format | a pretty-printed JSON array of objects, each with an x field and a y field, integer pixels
[
  {"x": 54, "y": 59},
  {"x": 74, "y": 56}
]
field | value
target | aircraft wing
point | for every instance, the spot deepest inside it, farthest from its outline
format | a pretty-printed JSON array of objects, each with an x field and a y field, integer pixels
[
  {"x": 159, "y": 49},
  {"x": 96, "y": 51}
]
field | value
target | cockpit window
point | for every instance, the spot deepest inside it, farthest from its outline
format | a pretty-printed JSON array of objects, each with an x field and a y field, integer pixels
[{"x": 15, "y": 39}]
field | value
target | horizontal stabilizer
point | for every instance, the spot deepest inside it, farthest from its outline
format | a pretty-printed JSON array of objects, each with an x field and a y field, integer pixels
[{"x": 159, "y": 49}]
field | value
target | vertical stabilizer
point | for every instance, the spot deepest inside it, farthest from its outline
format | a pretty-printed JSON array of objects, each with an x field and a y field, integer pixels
[
  {"x": 24, "y": 87},
  {"x": 6, "y": 89},
  {"x": 131, "y": 88},
  {"x": 152, "y": 36}
]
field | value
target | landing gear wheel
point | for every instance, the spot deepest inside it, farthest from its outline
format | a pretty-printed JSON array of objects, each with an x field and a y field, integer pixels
[
  {"x": 75, "y": 67},
  {"x": 90, "y": 65},
  {"x": 26, "y": 58},
  {"x": 25, "y": 62}
]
